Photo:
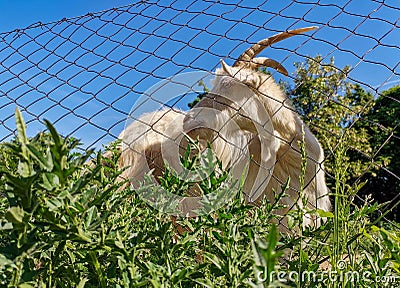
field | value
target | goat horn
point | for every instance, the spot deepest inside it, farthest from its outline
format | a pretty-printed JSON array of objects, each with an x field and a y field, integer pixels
[
  {"x": 254, "y": 50},
  {"x": 266, "y": 62}
]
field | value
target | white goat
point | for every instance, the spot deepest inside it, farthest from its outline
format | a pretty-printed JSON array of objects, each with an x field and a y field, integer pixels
[{"x": 262, "y": 122}]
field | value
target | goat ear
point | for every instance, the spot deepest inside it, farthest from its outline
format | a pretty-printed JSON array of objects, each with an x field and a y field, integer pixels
[{"x": 226, "y": 68}]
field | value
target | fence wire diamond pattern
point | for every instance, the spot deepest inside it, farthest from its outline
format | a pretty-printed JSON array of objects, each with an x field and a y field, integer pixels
[{"x": 85, "y": 73}]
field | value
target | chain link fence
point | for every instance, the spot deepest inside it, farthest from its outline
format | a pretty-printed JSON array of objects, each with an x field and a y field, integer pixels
[{"x": 85, "y": 74}]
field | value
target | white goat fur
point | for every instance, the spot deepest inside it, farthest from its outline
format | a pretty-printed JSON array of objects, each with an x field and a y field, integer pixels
[{"x": 231, "y": 92}]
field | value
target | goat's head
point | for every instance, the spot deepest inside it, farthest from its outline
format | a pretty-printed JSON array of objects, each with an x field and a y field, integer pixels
[
  {"x": 236, "y": 108},
  {"x": 245, "y": 69},
  {"x": 243, "y": 85}
]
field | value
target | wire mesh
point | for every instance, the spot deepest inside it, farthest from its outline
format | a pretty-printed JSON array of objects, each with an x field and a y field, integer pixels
[{"x": 85, "y": 73}]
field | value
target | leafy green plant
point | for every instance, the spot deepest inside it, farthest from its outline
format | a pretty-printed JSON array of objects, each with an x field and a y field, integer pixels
[{"x": 64, "y": 223}]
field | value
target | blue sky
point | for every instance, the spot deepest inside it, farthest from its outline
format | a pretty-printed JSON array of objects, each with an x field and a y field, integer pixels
[
  {"x": 67, "y": 73},
  {"x": 16, "y": 14}
]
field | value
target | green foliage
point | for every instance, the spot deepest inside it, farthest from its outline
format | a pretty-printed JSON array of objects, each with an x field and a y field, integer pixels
[
  {"x": 331, "y": 105},
  {"x": 67, "y": 223},
  {"x": 383, "y": 124},
  {"x": 342, "y": 113},
  {"x": 55, "y": 211}
]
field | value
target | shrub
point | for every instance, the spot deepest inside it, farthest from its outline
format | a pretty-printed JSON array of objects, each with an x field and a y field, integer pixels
[{"x": 67, "y": 224}]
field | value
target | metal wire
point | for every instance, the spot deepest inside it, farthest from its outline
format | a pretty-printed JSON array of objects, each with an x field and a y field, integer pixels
[{"x": 85, "y": 73}]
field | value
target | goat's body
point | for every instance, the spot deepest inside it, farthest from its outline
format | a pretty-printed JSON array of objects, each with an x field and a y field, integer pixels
[
  {"x": 144, "y": 138},
  {"x": 292, "y": 132},
  {"x": 245, "y": 114}
]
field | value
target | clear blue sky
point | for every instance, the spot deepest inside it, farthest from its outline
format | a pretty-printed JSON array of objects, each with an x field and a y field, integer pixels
[
  {"x": 46, "y": 65},
  {"x": 22, "y": 13}
]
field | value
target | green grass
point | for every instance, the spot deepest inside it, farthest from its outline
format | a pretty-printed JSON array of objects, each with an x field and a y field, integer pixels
[{"x": 63, "y": 224}]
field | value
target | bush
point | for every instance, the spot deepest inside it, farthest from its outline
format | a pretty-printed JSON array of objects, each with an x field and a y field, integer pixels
[{"x": 67, "y": 224}]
